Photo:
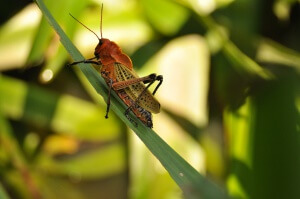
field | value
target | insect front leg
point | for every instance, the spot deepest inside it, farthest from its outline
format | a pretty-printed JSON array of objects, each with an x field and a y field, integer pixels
[{"x": 86, "y": 61}]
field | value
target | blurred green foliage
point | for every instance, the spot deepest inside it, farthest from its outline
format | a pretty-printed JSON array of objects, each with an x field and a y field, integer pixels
[{"x": 230, "y": 99}]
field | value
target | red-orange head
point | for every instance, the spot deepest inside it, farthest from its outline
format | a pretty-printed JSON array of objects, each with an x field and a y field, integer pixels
[
  {"x": 103, "y": 48},
  {"x": 107, "y": 51},
  {"x": 106, "y": 47}
]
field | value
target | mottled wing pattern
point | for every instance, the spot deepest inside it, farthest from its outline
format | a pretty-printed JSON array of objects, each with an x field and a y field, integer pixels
[{"x": 147, "y": 100}]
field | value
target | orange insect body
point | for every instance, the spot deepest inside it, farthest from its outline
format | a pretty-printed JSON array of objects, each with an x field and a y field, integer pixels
[
  {"x": 109, "y": 53},
  {"x": 117, "y": 70}
]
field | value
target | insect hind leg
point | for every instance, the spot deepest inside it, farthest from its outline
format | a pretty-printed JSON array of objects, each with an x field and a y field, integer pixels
[
  {"x": 153, "y": 77},
  {"x": 160, "y": 79}
]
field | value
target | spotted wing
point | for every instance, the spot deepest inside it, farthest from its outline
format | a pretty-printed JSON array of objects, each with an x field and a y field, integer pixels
[{"x": 147, "y": 100}]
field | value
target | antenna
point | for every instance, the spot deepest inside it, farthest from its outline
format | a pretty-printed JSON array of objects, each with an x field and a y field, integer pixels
[
  {"x": 86, "y": 26},
  {"x": 101, "y": 20}
]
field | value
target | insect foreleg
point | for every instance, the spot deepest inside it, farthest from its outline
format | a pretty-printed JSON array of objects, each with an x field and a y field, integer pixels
[
  {"x": 86, "y": 61},
  {"x": 108, "y": 98}
]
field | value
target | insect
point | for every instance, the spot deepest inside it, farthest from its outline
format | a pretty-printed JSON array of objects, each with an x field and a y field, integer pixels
[{"x": 117, "y": 70}]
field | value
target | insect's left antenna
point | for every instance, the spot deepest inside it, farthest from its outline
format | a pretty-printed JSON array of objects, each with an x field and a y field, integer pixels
[{"x": 86, "y": 26}]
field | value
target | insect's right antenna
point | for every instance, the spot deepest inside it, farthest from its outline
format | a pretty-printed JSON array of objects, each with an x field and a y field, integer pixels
[
  {"x": 85, "y": 26},
  {"x": 101, "y": 20}
]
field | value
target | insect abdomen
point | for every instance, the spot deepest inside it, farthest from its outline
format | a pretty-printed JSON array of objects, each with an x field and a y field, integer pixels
[{"x": 144, "y": 115}]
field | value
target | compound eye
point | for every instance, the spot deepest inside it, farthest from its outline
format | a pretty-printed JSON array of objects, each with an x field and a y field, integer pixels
[{"x": 96, "y": 55}]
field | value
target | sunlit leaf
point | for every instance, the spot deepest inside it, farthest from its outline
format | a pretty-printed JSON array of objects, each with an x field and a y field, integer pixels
[
  {"x": 15, "y": 38},
  {"x": 88, "y": 165},
  {"x": 33, "y": 105},
  {"x": 272, "y": 52},
  {"x": 166, "y": 16}
]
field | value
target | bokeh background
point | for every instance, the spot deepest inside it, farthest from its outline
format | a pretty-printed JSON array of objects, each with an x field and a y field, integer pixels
[{"x": 230, "y": 98}]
